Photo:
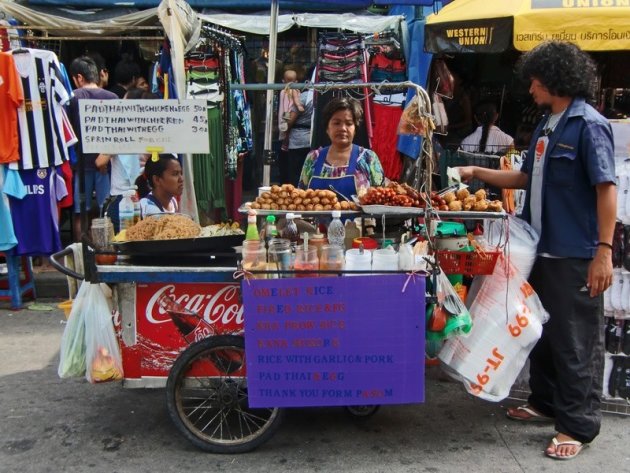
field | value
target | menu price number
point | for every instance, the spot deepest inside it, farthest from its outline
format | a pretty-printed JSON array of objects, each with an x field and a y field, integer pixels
[
  {"x": 200, "y": 119},
  {"x": 199, "y": 128},
  {"x": 493, "y": 363},
  {"x": 522, "y": 321}
]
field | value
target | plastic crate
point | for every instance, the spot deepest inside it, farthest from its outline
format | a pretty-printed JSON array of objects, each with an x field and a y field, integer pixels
[
  {"x": 470, "y": 263},
  {"x": 453, "y": 158}
]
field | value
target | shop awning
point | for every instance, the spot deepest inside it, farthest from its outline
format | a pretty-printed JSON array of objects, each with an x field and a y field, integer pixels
[{"x": 491, "y": 26}]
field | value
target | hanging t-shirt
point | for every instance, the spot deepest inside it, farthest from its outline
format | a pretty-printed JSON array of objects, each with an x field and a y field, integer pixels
[
  {"x": 35, "y": 217},
  {"x": 40, "y": 118},
  {"x": 10, "y": 185},
  {"x": 11, "y": 97}
]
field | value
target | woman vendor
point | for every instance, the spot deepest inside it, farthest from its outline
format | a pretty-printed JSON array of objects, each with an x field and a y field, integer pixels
[
  {"x": 344, "y": 167},
  {"x": 160, "y": 185}
]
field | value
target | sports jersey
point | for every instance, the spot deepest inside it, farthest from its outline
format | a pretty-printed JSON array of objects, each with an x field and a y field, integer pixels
[
  {"x": 35, "y": 217},
  {"x": 11, "y": 98},
  {"x": 10, "y": 184},
  {"x": 40, "y": 117}
]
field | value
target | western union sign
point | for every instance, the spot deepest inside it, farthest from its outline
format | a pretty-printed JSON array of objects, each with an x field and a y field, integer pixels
[{"x": 471, "y": 36}]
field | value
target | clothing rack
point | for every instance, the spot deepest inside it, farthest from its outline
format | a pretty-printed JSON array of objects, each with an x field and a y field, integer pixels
[
  {"x": 427, "y": 145},
  {"x": 222, "y": 36}
]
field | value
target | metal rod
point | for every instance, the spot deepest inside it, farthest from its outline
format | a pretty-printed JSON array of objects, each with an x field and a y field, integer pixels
[
  {"x": 271, "y": 77},
  {"x": 95, "y": 26},
  {"x": 324, "y": 86},
  {"x": 86, "y": 38}
]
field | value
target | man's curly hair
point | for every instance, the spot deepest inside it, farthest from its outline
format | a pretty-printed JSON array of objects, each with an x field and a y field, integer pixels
[{"x": 562, "y": 67}]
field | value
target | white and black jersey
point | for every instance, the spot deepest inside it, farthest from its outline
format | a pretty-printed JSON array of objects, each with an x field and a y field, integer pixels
[{"x": 40, "y": 117}]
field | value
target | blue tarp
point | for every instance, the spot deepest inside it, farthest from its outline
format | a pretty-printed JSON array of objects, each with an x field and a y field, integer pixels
[{"x": 301, "y": 5}]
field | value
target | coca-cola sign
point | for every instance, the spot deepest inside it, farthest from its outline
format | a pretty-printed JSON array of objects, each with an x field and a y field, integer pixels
[{"x": 217, "y": 304}]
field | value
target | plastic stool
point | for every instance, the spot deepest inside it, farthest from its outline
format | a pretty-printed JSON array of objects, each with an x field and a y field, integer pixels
[{"x": 17, "y": 287}]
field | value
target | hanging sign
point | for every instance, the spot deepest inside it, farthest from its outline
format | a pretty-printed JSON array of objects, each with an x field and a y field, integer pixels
[
  {"x": 131, "y": 126},
  {"x": 334, "y": 341}
]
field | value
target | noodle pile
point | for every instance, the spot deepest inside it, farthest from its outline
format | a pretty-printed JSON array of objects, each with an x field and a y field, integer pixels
[{"x": 163, "y": 227}]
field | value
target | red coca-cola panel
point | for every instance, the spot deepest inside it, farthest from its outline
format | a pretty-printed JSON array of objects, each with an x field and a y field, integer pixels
[{"x": 158, "y": 340}]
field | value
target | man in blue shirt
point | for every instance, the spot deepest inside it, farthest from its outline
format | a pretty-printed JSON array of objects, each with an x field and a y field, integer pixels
[{"x": 569, "y": 175}]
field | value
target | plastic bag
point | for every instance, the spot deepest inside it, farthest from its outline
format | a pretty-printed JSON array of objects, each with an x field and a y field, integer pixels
[
  {"x": 449, "y": 316},
  {"x": 445, "y": 83},
  {"x": 441, "y": 118},
  {"x": 72, "y": 351},
  {"x": 508, "y": 317},
  {"x": 103, "y": 359},
  {"x": 415, "y": 119},
  {"x": 522, "y": 241}
]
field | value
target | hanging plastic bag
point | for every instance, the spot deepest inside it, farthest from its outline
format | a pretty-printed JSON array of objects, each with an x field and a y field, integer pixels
[
  {"x": 444, "y": 80},
  {"x": 508, "y": 318},
  {"x": 449, "y": 316},
  {"x": 72, "y": 351},
  {"x": 416, "y": 118},
  {"x": 520, "y": 238},
  {"x": 103, "y": 359},
  {"x": 441, "y": 118}
]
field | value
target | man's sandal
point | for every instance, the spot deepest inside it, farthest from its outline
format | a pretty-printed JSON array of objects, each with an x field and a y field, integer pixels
[
  {"x": 526, "y": 414},
  {"x": 556, "y": 443}
]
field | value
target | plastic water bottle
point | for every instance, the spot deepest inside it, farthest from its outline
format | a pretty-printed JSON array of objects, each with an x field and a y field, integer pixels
[
  {"x": 135, "y": 198},
  {"x": 252, "y": 228},
  {"x": 336, "y": 230},
  {"x": 126, "y": 210}
]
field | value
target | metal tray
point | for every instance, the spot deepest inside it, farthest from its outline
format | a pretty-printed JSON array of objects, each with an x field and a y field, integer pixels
[
  {"x": 303, "y": 213},
  {"x": 180, "y": 245}
]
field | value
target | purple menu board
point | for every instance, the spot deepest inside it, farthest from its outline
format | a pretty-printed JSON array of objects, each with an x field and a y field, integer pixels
[{"x": 334, "y": 341}]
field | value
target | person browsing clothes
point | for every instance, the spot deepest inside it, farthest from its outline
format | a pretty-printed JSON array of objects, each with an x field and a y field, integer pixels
[
  {"x": 160, "y": 185},
  {"x": 343, "y": 166},
  {"x": 487, "y": 138},
  {"x": 571, "y": 202}
]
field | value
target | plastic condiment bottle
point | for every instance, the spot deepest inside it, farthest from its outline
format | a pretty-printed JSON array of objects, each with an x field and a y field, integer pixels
[
  {"x": 290, "y": 231},
  {"x": 318, "y": 240},
  {"x": 336, "y": 230},
  {"x": 252, "y": 228},
  {"x": 270, "y": 228},
  {"x": 125, "y": 210}
]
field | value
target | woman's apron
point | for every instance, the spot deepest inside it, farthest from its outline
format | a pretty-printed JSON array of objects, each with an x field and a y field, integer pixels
[{"x": 345, "y": 185}]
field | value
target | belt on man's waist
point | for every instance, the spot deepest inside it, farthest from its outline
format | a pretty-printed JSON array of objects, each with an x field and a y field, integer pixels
[{"x": 301, "y": 127}]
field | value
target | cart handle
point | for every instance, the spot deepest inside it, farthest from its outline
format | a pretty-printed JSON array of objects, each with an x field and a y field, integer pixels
[{"x": 60, "y": 267}]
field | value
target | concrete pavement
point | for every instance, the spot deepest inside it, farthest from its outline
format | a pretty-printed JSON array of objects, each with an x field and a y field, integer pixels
[{"x": 55, "y": 425}]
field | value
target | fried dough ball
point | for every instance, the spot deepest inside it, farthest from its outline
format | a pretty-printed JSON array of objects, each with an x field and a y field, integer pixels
[
  {"x": 275, "y": 188},
  {"x": 265, "y": 207},
  {"x": 455, "y": 205},
  {"x": 480, "y": 205},
  {"x": 255, "y": 205},
  {"x": 310, "y": 193},
  {"x": 287, "y": 187},
  {"x": 480, "y": 194},
  {"x": 462, "y": 194},
  {"x": 315, "y": 200},
  {"x": 318, "y": 207},
  {"x": 449, "y": 197},
  {"x": 495, "y": 206},
  {"x": 310, "y": 207},
  {"x": 345, "y": 205},
  {"x": 336, "y": 206},
  {"x": 265, "y": 195}
]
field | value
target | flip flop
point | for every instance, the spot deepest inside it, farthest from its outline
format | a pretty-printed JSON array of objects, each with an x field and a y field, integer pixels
[
  {"x": 557, "y": 443},
  {"x": 530, "y": 415}
]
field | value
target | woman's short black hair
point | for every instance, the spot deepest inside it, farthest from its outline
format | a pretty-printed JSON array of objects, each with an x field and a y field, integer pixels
[
  {"x": 561, "y": 67},
  {"x": 138, "y": 93},
  {"x": 343, "y": 103}
]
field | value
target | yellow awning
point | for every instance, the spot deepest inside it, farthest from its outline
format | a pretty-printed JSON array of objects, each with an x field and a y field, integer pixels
[{"x": 482, "y": 25}]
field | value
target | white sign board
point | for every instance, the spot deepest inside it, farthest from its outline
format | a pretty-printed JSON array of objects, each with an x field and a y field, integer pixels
[{"x": 132, "y": 126}]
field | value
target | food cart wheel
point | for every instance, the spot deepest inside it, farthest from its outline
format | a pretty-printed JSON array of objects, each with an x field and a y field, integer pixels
[
  {"x": 362, "y": 411},
  {"x": 206, "y": 396}
]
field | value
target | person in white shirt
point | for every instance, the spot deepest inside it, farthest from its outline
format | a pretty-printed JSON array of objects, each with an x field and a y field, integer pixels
[
  {"x": 161, "y": 184},
  {"x": 487, "y": 138}
]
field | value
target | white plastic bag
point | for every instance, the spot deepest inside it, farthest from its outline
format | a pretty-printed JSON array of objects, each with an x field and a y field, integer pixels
[
  {"x": 103, "y": 359},
  {"x": 507, "y": 322},
  {"x": 72, "y": 351},
  {"x": 521, "y": 239}
]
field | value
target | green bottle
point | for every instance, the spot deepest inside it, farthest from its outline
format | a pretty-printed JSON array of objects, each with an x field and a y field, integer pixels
[{"x": 252, "y": 228}]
